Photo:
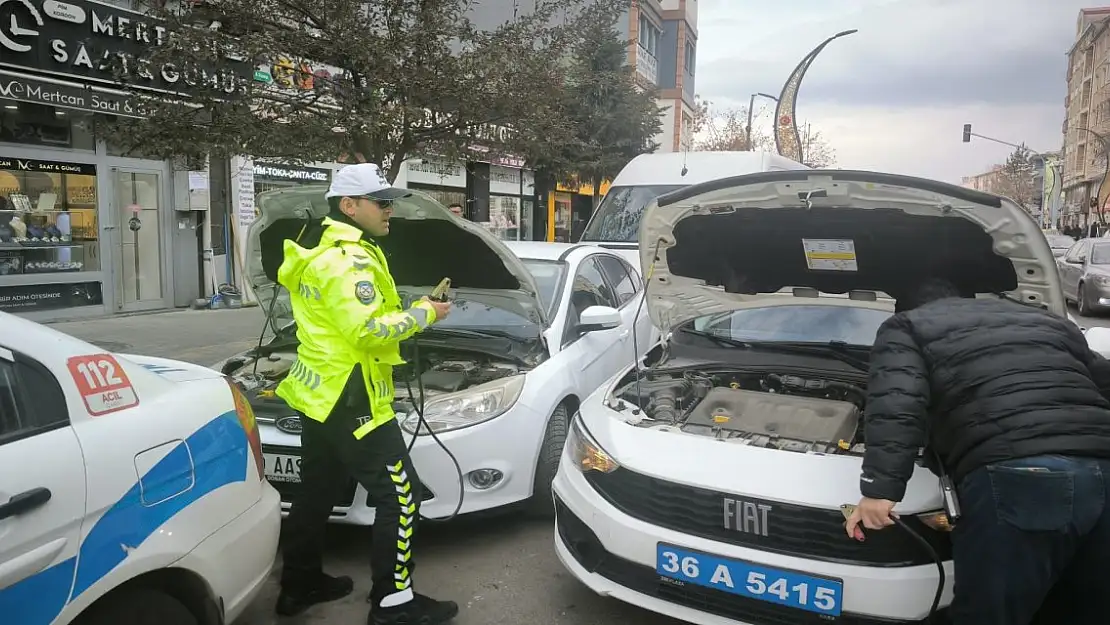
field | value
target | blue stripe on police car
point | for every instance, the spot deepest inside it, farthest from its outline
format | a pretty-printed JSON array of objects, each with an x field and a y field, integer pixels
[{"x": 214, "y": 456}]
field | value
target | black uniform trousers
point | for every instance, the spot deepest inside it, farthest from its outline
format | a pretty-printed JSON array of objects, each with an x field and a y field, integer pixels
[{"x": 331, "y": 455}]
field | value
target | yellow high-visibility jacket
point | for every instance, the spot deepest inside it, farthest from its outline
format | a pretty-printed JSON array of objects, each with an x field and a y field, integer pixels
[{"x": 348, "y": 313}]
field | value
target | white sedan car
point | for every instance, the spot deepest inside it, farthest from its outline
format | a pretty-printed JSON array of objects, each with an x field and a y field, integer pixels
[
  {"x": 535, "y": 328},
  {"x": 710, "y": 488},
  {"x": 131, "y": 488}
]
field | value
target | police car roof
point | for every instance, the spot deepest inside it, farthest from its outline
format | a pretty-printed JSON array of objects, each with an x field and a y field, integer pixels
[{"x": 542, "y": 250}]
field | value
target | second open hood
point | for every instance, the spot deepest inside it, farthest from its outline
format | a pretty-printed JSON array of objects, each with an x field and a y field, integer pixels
[
  {"x": 426, "y": 244},
  {"x": 753, "y": 240}
]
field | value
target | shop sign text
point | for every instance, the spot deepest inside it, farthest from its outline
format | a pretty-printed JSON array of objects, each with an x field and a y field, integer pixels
[
  {"x": 35, "y": 91},
  {"x": 281, "y": 172},
  {"x": 97, "y": 42}
]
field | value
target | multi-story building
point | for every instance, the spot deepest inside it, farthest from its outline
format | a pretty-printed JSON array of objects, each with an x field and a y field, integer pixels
[
  {"x": 987, "y": 182},
  {"x": 1087, "y": 119}
]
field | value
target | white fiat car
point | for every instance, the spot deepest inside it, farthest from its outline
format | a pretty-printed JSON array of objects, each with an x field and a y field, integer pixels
[
  {"x": 707, "y": 484},
  {"x": 131, "y": 488},
  {"x": 535, "y": 328}
]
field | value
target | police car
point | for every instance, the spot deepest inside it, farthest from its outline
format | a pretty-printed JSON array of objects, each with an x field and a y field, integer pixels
[{"x": 131, "y": 488}]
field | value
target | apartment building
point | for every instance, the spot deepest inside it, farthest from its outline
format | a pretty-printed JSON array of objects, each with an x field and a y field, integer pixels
[
  {"x": 1088, "y": 112},
  {"x": 987, "y": 182},
  {"x": 663, "y": 49}
]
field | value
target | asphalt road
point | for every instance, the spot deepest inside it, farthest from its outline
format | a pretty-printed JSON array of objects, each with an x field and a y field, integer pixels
[{"x": 502, "y": 571}]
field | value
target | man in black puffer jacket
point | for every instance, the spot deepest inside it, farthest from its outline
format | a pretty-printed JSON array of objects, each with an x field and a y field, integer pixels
[{"x": 1013, "y": 404}]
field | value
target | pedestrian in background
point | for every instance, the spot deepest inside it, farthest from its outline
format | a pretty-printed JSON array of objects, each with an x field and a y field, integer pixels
[
  {"x": 1012, "y": 404},
  {"x": 350, "y": 324},
  {"x": 456, "y": 209}
]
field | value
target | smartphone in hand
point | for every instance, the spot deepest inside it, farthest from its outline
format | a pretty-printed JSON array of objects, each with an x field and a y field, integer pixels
[{"x": 439, "y": 294}]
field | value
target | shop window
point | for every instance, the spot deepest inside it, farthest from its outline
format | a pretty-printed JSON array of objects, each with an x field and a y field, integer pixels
[
  {"x": 446, "y": 197},
  {"x": 504, "y": 217},
  {"x": 48, "y": 217},
  {"x": 38, "y": 124},
  {"x": 562, "y": 217}
]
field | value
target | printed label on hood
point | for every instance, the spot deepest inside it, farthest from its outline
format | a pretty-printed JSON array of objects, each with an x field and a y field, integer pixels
[{"x": 830, "y": 254}]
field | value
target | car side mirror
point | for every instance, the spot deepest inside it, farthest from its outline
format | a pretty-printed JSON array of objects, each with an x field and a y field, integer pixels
[{"x": 596, "y": 318}]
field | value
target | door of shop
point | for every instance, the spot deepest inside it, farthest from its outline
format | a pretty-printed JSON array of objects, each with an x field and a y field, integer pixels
[{"x": 137, "y": 236}]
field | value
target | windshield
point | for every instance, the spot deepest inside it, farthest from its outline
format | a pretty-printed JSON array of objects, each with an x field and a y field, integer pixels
[
  {"x": 617, "y": 219},
  {"x": 548, "y": 275},
  {"x": 1058, "y": 241},
  {"x": 806, "y": 323},
  {"x": 1100, "y": 254}
]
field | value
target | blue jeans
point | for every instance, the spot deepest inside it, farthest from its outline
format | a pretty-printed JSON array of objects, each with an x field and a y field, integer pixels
[{"x": 1030, "y": 527}]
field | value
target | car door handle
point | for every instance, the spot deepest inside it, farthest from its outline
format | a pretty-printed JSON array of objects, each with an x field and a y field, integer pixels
[{"x": 24, "y": 502}]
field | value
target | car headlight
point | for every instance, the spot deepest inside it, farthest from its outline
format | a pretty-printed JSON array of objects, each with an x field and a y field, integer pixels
[
  {"x": 586, "y": 453},
  {"x": 466, "y": 408}
]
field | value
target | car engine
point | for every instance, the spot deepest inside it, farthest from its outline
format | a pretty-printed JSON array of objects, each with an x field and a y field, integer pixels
[
  {"x": 787, "y": 412},
  {"x": 443, "y": 371}
]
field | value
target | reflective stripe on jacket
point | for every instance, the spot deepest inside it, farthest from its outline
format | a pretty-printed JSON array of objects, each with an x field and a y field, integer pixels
[{"x": 348, "y": 312}]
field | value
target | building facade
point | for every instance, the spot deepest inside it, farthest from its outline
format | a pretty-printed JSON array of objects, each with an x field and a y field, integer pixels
[
  {"x": 663, "y": 37},
  {"x": 86, "y": 229},
  {"x": 987, "y": 182},
  {"x": 1087, "y": 106}
]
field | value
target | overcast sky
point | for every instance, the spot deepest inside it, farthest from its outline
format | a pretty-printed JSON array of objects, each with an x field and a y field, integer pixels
[{"x": 894, "y": 96}]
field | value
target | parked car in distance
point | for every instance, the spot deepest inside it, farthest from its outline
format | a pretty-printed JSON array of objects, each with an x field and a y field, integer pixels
[
  {"x": 1060, "y": 243},
  {"x": 1085, "y": 275}
]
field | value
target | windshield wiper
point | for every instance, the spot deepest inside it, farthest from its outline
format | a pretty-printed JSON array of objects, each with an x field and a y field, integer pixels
[
  {"x": 468, "y": 333},
  {"x": 836, "y": 349}
]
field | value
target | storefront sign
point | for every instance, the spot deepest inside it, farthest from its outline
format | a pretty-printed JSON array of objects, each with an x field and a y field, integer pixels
[
  {"x": 435, "y": 173},
  {"x": 36, "y": 91},
  {"x": 31, "y": 298},
  {"x": 506, "y": 181},
  {"x": 48, "y": 167},
  {"x": 95, "y": 42},
  {"x": 289, "y": 172}
]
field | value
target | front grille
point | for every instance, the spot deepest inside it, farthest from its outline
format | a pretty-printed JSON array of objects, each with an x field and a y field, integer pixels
[
  {"x": 590, "y": 553},
  {"x": 791, "y": 529},
  {"x": 290, "y": 490}
]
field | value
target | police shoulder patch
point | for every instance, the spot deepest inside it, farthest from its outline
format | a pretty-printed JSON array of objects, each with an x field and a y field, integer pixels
[{"x": 364, "y": 291}]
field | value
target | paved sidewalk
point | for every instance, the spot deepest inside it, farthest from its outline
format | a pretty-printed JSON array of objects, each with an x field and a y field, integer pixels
[{"x": 202, "y": 337}]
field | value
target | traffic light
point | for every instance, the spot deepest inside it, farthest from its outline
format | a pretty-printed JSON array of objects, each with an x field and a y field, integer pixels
[{"x": 967, "y": 133}]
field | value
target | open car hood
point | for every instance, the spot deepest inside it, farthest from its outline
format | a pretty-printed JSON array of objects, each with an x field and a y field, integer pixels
[
  {"x": 426, "y": 243},
  {"x": 755, "y": 240}
]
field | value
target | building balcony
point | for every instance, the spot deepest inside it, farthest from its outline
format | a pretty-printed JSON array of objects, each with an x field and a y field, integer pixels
[{"x": 646, "y": 65}]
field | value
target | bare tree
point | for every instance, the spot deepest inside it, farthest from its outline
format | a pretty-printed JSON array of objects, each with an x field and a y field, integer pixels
[
  {"x": 381, "y": 82},
  {"x": 1015, "y": 178},
  {"x": 727, "y": 130}
]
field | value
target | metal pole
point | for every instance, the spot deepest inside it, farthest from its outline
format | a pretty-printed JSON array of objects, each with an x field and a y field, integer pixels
[{"x": 751, "y": 106}]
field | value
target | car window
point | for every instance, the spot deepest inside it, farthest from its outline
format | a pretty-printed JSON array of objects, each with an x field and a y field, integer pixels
[
  {"x": 31, "y": 400},
  {"x": 548, "y": 274},
  {"x": 801, "y": 323},
  {"x": 1076, "y": 252},
  {"x": 617, "y": 218},
  {"x": 1100, "y": 254},
  {"x": 625, "y": 283},
  {"x": 588, "y": 289}
]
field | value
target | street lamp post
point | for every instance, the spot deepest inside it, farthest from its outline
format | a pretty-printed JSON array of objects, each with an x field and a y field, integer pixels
[
  {"x": 751, "y": 104},
  {"x": 787, "y": 140}
]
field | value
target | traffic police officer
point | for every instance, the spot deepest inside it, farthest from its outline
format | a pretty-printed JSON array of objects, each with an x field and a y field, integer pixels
[{"x": 350, "y": 324}]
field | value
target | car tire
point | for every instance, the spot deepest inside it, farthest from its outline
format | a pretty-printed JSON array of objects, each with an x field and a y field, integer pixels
[
  {"x": 141, "y": 606},
  {"x": 1081, "y": 302},
  {"x": 551, "y": 450}
]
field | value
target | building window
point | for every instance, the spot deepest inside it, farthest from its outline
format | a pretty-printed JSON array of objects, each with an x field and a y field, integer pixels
[
  {"x": 649, "y": 36},
  {"x": 39, "y": 124},
  {"x": 689, "y": 62}
]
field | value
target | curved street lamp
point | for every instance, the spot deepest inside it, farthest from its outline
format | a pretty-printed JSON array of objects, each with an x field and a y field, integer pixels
[{"x": 788, "y": 141}]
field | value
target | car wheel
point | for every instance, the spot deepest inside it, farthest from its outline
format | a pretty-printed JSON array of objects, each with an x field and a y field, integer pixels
[
  {"x": 551, "y": 450},
  {"x": 1081, "y": 301},
  {"x": 141, "y": 606}
]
